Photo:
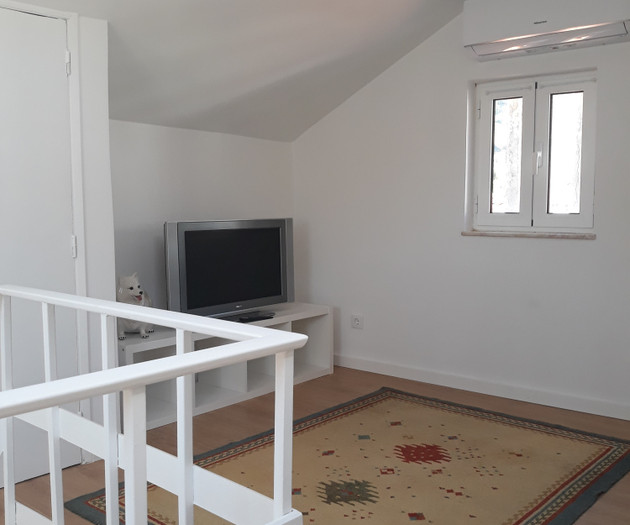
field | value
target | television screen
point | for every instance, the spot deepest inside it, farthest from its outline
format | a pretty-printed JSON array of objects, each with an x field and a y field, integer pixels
[
  {"x": 232, "y": 265},
  {"x": 226, "y": 267}
]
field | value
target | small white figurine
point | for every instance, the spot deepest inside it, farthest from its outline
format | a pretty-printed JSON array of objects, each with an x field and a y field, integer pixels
[{"x": 130, "y": 292}]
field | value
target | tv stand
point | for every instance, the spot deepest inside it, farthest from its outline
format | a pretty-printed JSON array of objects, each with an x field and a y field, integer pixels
[{"x": 232, "y": 384}]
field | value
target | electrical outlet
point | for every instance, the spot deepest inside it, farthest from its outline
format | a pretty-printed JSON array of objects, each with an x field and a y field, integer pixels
[{"x": 356, "y": 321}]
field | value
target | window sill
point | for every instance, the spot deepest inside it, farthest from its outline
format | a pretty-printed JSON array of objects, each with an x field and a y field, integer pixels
[{"x": 533, "y": 235}]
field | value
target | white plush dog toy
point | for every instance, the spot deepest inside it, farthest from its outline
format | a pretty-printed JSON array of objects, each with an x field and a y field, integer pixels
[{"x": 130, "y": 292}]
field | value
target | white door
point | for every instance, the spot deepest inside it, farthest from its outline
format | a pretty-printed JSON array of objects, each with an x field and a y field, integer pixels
[{"x": 36, "y": 203}]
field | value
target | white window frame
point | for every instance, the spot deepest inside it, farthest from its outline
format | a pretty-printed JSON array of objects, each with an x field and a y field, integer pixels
[{"x": 536, "y": 96}]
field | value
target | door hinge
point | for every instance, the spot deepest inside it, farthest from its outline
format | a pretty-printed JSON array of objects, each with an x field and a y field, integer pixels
[
  {"x": 73, "y": 246},
  {"x": 476, "y": 204},
  {"x": 68, "y": 63},
  {"x": 479, "y": 110}
]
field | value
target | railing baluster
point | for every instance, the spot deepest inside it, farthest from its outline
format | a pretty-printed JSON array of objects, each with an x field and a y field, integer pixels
[
  {"x": 184, "y": 433},
  {"x": 54, "y": 445},
  {"x": 54, "y": 462},
  {"x": 8, "y": 466},
  {"x": 135, "y": 451},
  {"x": 6, "y": 357},
  {"x": 283, "y": 437},
  {"x": 6, "y": 425},
  {"x": 110, "y": 421},
  {"x": 50, "y": 346}
]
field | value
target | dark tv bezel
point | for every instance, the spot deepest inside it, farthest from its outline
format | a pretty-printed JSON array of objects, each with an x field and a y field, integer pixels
[{"x": 174, "y": 245}]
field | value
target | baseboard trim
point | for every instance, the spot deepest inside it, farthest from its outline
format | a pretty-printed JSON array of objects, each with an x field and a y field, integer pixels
[{"x": 518, "y": 392}]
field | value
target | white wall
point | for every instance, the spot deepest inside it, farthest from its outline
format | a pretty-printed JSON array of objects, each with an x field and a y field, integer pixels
[
  {"x": 165, "y": 174},
  {"x": 97, "y": 185},
  {"x": 379, "y": 201}
]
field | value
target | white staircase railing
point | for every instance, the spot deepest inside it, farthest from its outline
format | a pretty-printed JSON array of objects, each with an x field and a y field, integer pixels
[{"x": 41, "y": 405}]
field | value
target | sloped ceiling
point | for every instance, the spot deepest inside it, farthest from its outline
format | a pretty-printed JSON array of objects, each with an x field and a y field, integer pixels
[{"x": 259, "y": 68}]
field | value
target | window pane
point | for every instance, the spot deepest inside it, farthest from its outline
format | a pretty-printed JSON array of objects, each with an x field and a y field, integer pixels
[
  {"x": 507, "y": 137},
  {"x": 565, "y": 153}
]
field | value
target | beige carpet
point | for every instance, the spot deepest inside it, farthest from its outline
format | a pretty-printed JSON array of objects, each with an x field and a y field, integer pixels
[{"x": 395, "y": 458}]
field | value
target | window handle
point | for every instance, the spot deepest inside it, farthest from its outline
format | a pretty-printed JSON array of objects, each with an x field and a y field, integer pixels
[{"x": 538, "y": 161}]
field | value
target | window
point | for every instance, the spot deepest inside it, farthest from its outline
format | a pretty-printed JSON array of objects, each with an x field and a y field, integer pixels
[{"x": 534, "y": 154}]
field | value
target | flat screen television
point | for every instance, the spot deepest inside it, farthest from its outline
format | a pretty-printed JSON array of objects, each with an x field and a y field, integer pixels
[{"x": 220, "y": 268}]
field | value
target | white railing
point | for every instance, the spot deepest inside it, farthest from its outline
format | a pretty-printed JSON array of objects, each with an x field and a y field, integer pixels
[{"x": 40, "y": 405}]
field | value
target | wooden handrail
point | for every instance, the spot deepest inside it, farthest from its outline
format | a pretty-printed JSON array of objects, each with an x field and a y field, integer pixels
[{"x": 129, "y": 450}]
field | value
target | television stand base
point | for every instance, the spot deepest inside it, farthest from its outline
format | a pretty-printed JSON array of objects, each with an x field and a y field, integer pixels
[{"x": 251, "y": 317}]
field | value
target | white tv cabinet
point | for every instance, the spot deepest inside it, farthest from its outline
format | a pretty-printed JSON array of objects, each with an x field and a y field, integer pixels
[{"x": 225, "y": 386}]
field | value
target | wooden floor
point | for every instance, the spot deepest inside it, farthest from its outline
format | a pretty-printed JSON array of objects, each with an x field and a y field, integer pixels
[{"x": 239, "y": 421}]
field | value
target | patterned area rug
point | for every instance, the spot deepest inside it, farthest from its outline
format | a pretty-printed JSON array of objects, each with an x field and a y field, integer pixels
[{"x": 395, "y": 458}]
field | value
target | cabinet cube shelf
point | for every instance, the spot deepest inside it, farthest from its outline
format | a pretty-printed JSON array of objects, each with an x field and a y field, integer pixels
[{"x": 231, "y": 384}]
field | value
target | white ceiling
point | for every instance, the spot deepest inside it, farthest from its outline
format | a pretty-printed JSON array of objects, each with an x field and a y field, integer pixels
[{"x": 259, "y": 68}]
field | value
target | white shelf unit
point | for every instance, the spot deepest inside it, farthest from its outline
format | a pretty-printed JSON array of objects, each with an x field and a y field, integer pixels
[{"x": 225, "y": 386}]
